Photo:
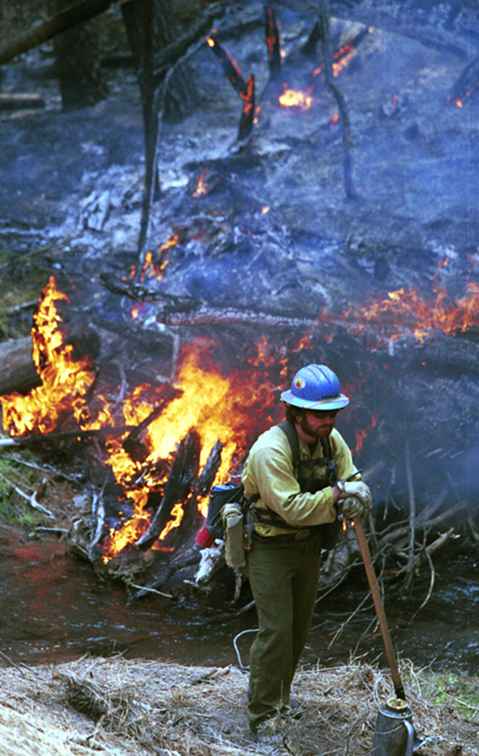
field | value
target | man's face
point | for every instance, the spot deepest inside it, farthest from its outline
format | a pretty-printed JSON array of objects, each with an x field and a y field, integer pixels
[{"x": 316, "y": 425}]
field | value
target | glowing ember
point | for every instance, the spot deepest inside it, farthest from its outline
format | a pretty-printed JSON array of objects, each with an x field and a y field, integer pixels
[
  {"x": 295, "y": 98},
  {"x": 211, "y": 42},
  {"x": 201, "y": 187},
  {"x": 344, "y": 57},
  {"x": 265, "y": 209},
  {"x": 65, "y": 380},
  {"x": 459, "y": 103},
  {"x": 335, "y": 119}
]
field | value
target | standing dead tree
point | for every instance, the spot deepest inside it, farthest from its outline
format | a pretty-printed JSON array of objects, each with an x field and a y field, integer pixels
[
  {"x": 78, "y": 63},
  {"x": 338, "y": 96}
]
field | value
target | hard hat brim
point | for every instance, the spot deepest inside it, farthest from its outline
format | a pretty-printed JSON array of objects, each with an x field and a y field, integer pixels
[{"x": 331, "y": 403}]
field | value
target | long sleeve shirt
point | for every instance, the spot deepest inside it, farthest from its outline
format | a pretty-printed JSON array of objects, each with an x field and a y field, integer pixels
[{"x": 269, "y": 474}]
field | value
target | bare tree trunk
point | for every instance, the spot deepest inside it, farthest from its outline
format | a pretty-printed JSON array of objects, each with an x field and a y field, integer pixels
[{"x": 78, "y": 63}]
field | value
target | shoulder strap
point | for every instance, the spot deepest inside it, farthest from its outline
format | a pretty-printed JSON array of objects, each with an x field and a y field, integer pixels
[
  {"x": 330, "y": 463},
  {"x": 290, "y": 432}
]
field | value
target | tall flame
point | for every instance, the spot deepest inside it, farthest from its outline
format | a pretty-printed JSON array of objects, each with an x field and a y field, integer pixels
[
  {"x": 215, "y": 405},
  {"x": 65, "y": 380}
]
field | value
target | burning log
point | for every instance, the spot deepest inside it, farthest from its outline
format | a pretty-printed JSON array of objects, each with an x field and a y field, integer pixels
[
  {"x": 183, "y": 471},
  {"x": 132, "y": 443}
]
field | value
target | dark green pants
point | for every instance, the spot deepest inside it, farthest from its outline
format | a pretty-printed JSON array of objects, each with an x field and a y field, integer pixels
[{"x": 284, "y": 582}]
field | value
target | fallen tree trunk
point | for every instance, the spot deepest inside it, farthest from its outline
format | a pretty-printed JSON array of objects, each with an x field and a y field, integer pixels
[
  {"x": 12, "y": 101},
  {"x": 44, "y": 31},
  {"x": 18, "y": 371}
]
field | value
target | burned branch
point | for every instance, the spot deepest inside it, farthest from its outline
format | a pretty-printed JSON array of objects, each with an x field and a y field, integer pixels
[
  {"x": 183, "y": 471},
  {"x": 273, "y": 42},
  {"x": 229, "y": 65},
  {"x": 247, "y": 112}
]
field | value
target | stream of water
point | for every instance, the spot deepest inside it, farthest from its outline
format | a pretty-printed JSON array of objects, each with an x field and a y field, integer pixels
[{"x": 53, "y": 608}]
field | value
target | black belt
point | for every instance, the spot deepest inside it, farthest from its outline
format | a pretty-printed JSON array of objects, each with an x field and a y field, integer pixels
[{"x": 299, "y": 537}]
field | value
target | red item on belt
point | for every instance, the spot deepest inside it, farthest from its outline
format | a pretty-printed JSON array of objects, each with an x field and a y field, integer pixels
[{"x": 204, "y": 539}]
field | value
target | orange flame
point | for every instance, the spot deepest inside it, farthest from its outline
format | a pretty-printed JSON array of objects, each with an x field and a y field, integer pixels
[
  {"x": 218, "y": 411},
  {"x": 408, "y": 311},
  {"x": 156, "y": 269},
  {"x": 65, "y": 380}
]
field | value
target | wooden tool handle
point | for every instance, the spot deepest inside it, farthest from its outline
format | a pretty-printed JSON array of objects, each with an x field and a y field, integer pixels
[{"x": 379, "y": 608}]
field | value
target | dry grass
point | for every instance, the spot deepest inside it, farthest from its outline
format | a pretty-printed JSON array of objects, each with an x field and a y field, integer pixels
[{"x": 114, "y": 706}]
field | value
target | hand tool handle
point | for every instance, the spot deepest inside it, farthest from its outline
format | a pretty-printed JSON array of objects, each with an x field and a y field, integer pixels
[{"x": 379, "y": 608}]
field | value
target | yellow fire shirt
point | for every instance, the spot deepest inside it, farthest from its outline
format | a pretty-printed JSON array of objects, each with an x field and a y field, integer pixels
[{"x": 269, "y": 472}]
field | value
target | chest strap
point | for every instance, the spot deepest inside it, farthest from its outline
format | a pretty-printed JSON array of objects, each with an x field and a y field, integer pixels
[{"x": 307, "y": 483}]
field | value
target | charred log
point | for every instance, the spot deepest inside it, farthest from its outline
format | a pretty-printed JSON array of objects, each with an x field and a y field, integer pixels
[
  {"x": 132, "y": 443},
  {"x": 21, "y": 101},
  {"x": 183, "y": 471},
  {"x": 18, "y": 370},
  {"x": 42, "y": 32}
]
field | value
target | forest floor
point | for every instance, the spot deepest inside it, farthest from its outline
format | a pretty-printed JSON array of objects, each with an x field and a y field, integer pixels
[{"x": 118, "y": 706}]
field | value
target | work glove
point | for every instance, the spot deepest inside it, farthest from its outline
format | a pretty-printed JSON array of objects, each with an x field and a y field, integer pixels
[
  {"x": 352, "y": 507},
  {"x": 356, "y": 488}
]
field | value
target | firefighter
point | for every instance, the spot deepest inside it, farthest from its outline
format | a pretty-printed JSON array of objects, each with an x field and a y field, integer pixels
[{"x": 301, "y": 477}]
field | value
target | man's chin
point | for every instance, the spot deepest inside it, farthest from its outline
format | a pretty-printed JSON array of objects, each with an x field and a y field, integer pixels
[{"x": 324, "y": 432}]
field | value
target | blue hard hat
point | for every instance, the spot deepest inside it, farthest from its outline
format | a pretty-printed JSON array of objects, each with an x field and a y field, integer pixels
[{"x": 315, "y": 387}]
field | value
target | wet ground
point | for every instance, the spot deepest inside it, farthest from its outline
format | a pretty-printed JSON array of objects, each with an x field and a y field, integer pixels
[{"x": 53, "y": 608}]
